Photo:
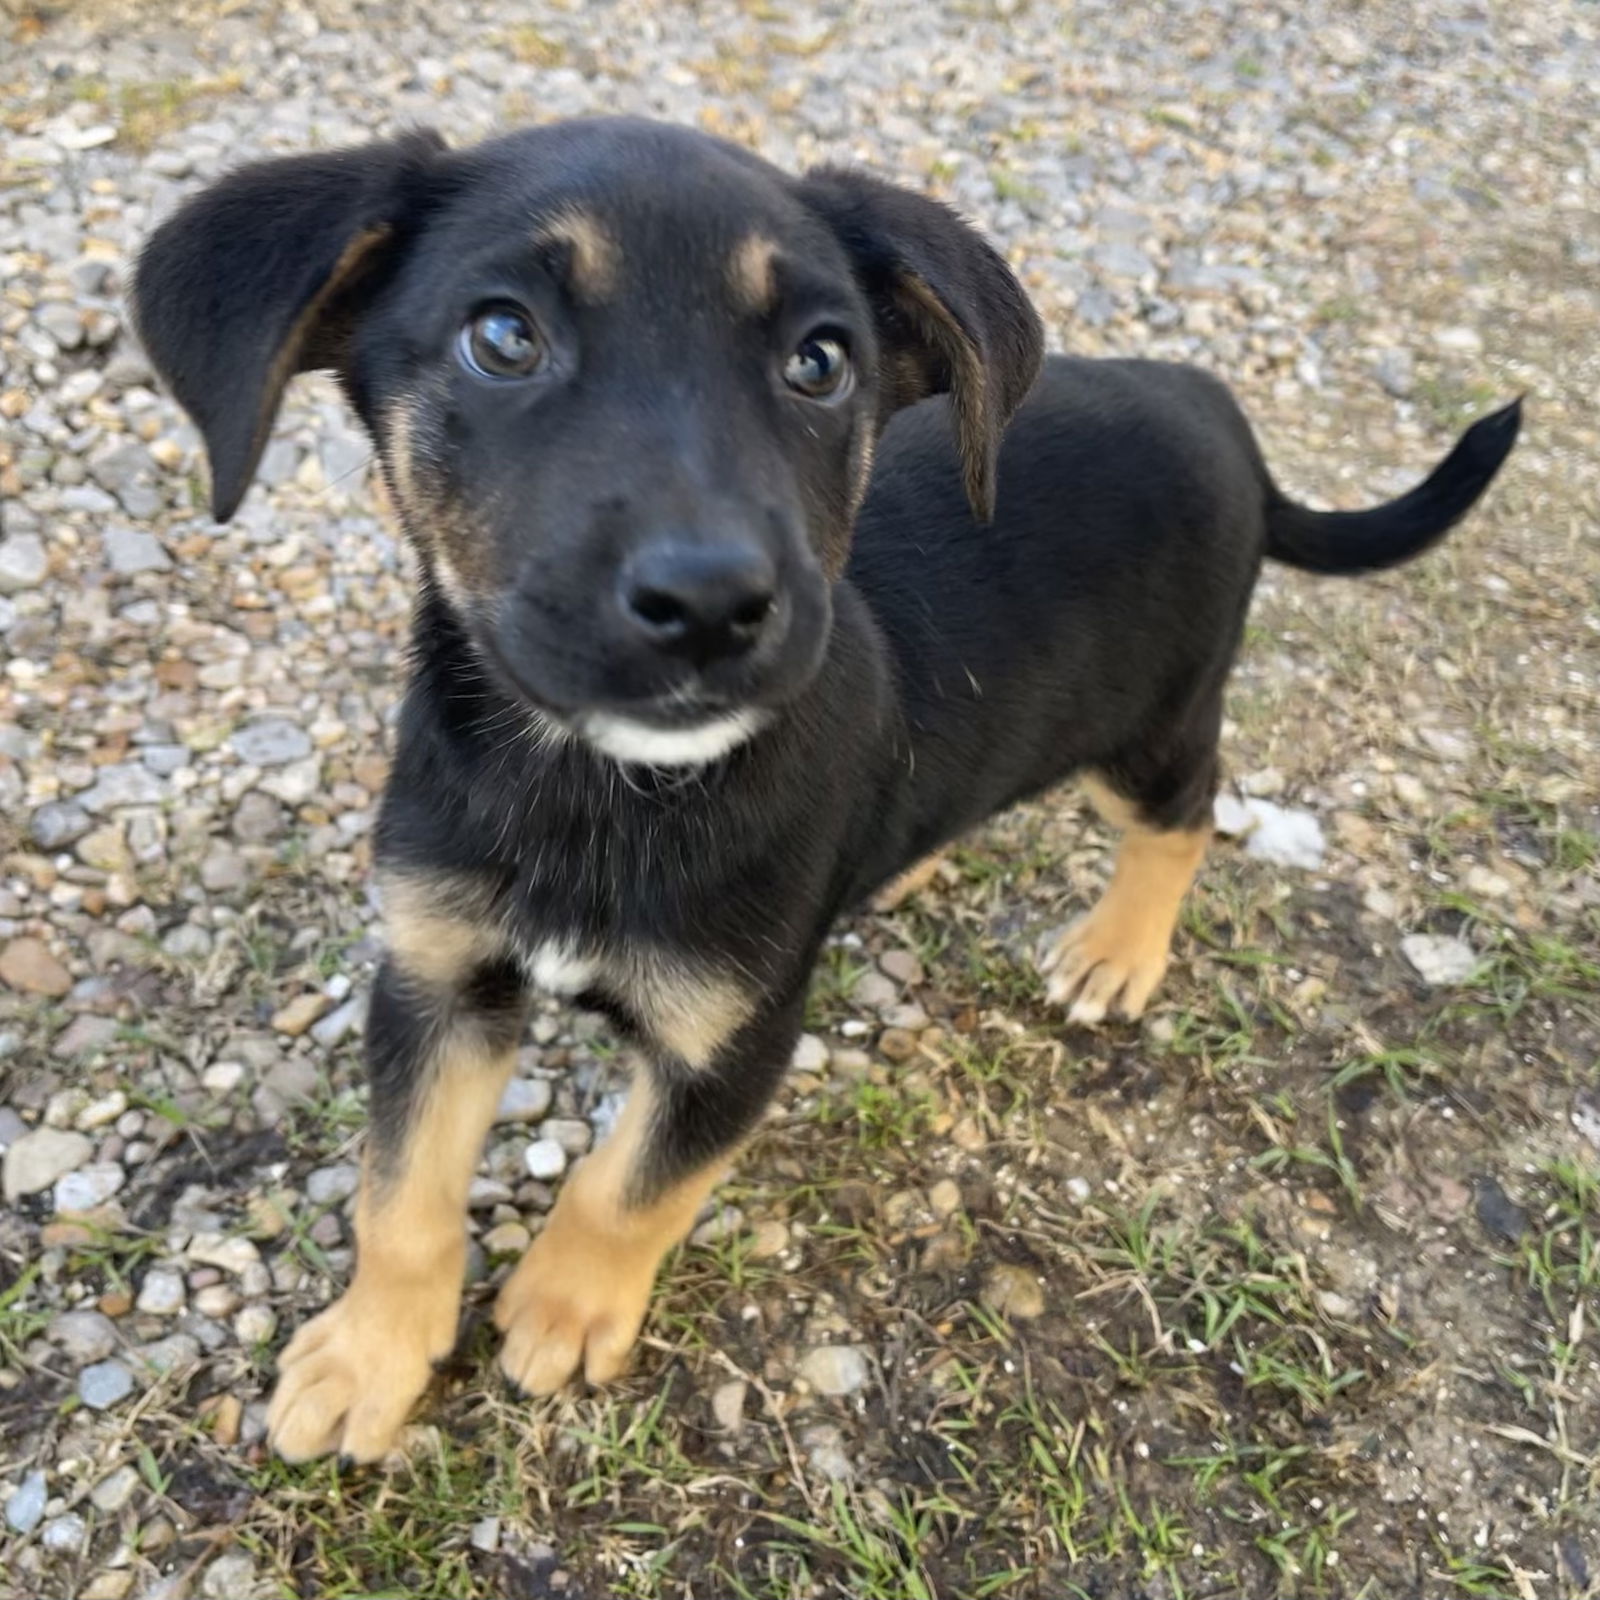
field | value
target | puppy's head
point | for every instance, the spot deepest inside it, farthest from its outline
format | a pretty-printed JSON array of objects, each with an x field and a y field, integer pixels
[{"x": 625, "y": 381}]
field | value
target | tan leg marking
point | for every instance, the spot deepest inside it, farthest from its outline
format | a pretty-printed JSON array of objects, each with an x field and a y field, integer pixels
[
  {"x": 578, "y": 1297},
  {"x": 347, "y": 1380},
  {"x": 1115, "y": 956},
  {"x": 690, "y": 1014},
  {"x": 431, "y": 929},
  {"x": 910, "y": 882}
]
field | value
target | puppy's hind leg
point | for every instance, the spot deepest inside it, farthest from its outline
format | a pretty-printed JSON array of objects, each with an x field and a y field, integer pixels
[{"x": 1114, "y": 957}]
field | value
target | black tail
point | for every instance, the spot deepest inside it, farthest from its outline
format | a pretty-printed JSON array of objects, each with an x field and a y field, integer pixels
[{"x": 1361, "y": 541}]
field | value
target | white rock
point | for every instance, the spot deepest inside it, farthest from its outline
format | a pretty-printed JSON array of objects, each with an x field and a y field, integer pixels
[
  {"x": 271, "y": 742},
  {"x": 1468, "y": 340},
  {"x": 825, "y": 1451},
  {"x": 127, "y": 783},
  {"x": 89, "y": 1187},
  {"x": 113, "y": 1492},
  {"x": 216, "y": 1300},
  {"x": 25, "y": 1507},
  {"x": 229, "y": 1576},
  {"x": 71, "y": 137},
  {"x": 23, "y": 562},
  {"x": 223, "y": 1077},
  {"x": 1284, "y": 835},
  {"x": 132, "y": 550},
  {"x": 727, "y": 1404},
  {"x": 40, "y": 1157},
  {"x": 328, "y": 1186},
  {"x": 103, "y": 1384},
  {"x": 810, "y": 1055},
  {"x": 544, "y": 1159},
  {"x": 99, "y": 1112},
  {"x": 63, "y": 1534},
  {"x": 84, "y": 1336},
  {"x": 525, "y": 1100},
  {"x": 254, "y": 1324},
  {"x": 175, "y": 1353},
  {"x": 232, "y": 1253},
  {"x": 834, "y": 1369},
  {"x": 294, "y": 784},
  {"x": 1440, "y": 959},
  {"x": 573, "y": 1134},
  {"x": 162, "y": 1293},
  {"x": 875, "y": 990}
]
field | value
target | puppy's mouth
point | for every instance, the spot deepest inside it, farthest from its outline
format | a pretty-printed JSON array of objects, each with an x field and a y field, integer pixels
[{"x": 684, "y": 728}]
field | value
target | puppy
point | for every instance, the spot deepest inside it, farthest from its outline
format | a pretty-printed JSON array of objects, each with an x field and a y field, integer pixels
[{"x": 768, "y": 623}]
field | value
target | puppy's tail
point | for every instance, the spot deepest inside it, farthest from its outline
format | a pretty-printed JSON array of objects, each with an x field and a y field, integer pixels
[{"x": 1363, "y": 541}]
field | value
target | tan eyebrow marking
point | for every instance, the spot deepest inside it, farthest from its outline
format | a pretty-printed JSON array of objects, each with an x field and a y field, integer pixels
[
  {"x": 594, "y": 252},
  {"x": 751, "y": 275}
]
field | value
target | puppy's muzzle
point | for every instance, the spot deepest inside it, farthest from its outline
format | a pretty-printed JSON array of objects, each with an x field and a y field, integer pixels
[{"x": 701, "y": 602}]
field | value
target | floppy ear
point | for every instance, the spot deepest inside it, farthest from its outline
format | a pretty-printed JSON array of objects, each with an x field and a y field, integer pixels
[
  {"x": 951, "y": 315},
  {"x": 251, "y": 282}
]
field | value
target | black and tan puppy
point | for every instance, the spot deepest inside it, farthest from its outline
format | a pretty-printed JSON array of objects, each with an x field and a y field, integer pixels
[{"x": 647, "y": 407}]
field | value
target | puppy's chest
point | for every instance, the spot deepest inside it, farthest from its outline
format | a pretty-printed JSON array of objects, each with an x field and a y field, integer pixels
[
  {"x": 684, "y": 1004},
  {"x": 645, "y": 936}
]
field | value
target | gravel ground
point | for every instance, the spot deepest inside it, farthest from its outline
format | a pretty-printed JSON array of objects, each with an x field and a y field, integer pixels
[{"x": 1293, "y": 1290}]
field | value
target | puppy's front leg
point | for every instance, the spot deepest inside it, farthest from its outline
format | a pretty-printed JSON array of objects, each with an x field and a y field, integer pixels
[
  {"x": 578, "y": 1297},
  {"x": 441, "y": 1038}
]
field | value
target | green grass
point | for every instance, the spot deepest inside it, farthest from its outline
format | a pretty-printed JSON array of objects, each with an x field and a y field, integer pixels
[
  {"x": 1559, "y": 1258},
  {"x": 20, "y": 1321}
]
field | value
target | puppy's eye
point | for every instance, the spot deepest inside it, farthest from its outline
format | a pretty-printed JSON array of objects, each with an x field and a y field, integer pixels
[
  {"x": 501, "y": 342},
  {"x": 819, "y": 369}
]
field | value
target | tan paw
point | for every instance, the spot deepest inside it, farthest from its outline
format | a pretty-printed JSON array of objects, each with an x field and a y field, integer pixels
[
  {"x": 567, "y": 1307},
  {"x": 1102, "y": 963},
  {"x": 348, "y": 1379},
  {"x": 912, "y": 882}
]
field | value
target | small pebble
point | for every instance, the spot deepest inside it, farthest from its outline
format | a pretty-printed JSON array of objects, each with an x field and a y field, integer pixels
[
  {"x": 544, "y": 1159},
  {"x": 113, "y": 1492},
  {"x": 1014, "y": 1292},
  {"x": 834, "y": 1369},
  {"x": 727, "y": 1404},
  {"x": 524, "y": 1100},
  {"x": 84, "y": 1336},
  {"x": 25, "y": 1505},
  {"x": 573, "y": 1134},
  {"x": 103, "y": 1384},
  {"x": 65, "y": 1534},
  {"x": 88, "y": 1187},
  {"x": 1441, "y": 961},
  {"x": 331, "y": 1186},
  {"x": 254, "y": 1325},
  {"x": 162, "y": 1294}
]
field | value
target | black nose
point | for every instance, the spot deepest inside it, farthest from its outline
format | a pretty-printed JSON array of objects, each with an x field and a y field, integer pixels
[{"x": 699, "y": 600}]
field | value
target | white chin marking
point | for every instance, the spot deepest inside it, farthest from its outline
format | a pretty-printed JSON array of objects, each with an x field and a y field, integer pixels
[{"x": 638, "y": 744}]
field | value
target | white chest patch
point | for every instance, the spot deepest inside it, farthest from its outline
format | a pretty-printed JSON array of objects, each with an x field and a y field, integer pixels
[{"x": 559, "y": 969}]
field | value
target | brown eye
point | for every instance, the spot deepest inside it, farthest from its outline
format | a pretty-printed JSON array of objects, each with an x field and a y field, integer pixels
[
  {"x": 819, "y": 369},
  {"x": 502, "y": 342}
]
